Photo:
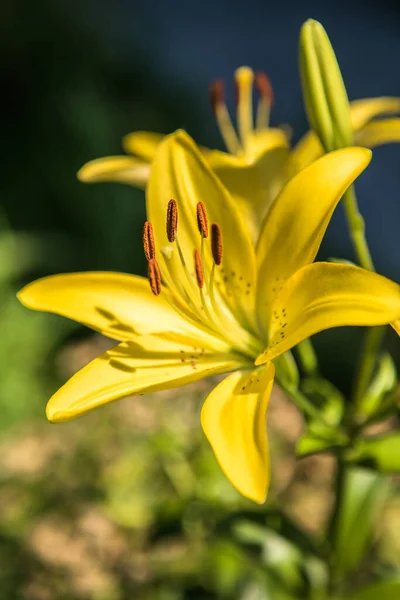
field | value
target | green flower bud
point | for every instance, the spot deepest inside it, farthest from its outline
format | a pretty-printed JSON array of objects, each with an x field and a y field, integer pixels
[{"x": 325, "y": 95}]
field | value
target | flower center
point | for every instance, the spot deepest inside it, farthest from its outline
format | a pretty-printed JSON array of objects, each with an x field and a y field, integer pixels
[
  {"x": 237, "y": 142},
  {"x": 195, "y": 293}
]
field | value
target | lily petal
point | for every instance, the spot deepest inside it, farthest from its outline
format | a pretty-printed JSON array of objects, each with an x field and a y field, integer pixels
[
  {"x": 147, "y": 365},
  {"x": 362, "y": 111},
  {"x": 254, "y": 180},
  {"x": 325, "y": 295},
  {"x": 179, "y": 171},
  {"x": 123, "y": 169},
  {"x": 234, "y": 420},
  {"x": 293, "y": 229},
  {"x": 376, "y": 133},
  {"x": 117, "y": 305},
  {"x": 142, "y": 143}
]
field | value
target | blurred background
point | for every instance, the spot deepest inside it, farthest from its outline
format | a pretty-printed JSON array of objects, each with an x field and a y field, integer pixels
[{"x": 129, "y": 502}]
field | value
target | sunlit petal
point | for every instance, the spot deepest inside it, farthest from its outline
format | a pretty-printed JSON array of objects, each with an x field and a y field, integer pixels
[
  {"x": 123, "y": 169},
  {"x": 179, "y": 171},
  {"x": 254, "y": 180},
  {"x": 119, "y": 306},
  {"x": 234, "y": 420},
  {"x": 363, "y": 111},
  {"x": 293, "y": 229},
  {"x": 376, "y": 133},
  {"x": 147, "y": 365},
  {"x": 142, "y": 143},
  {"x": 325, "y": 295}
]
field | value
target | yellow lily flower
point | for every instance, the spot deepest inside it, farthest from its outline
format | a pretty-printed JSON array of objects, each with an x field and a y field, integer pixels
[
  {"x": 258, "y": 161},
  {"x": 224, "y": 306}
]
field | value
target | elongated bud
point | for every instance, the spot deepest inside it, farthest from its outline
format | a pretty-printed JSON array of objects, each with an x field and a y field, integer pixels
[
  {"x": 154, "y": 277},
  {"x": 325, "y": 95},
  {"x": 217, "y": 94},
  {"x": 202, "y": 220},
  {"x": 172, "y": 220},
  {"x": 264, "y": 87},
  {"x": 148, "y": 241},
  {"x": 198, "y": 265},
  {"x": 216, "y": 243}
]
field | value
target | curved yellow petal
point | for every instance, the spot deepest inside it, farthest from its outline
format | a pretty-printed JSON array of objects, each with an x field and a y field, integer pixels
[
  {"x": 142, "y": 143},
  {"x": 255, "y": 179},
  {"x": 179, "y": 171},
  {"x": 147, "y": 365},
  {"x": 325, "y": 295},
  {"x": 396, "y": 326},
  {"x": 117, "y": 305},
  {"x": 234, "y": 420},
  {"x": 306, "y": 151},
  {"x": 309, "y": 148},
  {"x": 376, "y": 133},
  {"x": 123, "y": 169},
  {"x": 363, "y": 111},
  {"x": 293, "y": 229}
]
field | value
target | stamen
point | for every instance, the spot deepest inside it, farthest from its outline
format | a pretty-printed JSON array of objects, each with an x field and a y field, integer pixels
[
  {"x": 264, "y": 88},
  {"x": 244, "y": 78},
  {"x": 148, "y": 241},
  {"x": 202, "y": 220},
  {"x": 199, "y": 269},
  {"x": 172, "y": 220},
  {"x": 217, "y": 94},
  {"x": 217, "y": 99},
  {"x": 216, "y": 243},
  {"x": 154, "y": 276}
]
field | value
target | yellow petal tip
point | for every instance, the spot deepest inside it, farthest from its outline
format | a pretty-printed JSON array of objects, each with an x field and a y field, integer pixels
[
  {"x": 261, "y": 359},
  {"x": 58, "y": 416},
  {"x": 24, "y": 297}
]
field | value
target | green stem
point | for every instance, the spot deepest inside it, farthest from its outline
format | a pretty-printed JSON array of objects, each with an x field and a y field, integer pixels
[
  {"x": 372, "y": 342},
  {"x": 334, "y": 576},
  {"x": 302, "y": 402},
  {"x": 374, "y": 335},
  {"x": 356, "y": 226},
  {"x": 308, "y": 357}
]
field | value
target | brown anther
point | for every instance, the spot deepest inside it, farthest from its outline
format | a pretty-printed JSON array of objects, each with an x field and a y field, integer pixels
[
  {"x": 216, "y": 243},
  {"x": 172, "y": 220},
  {"x": 217, "y": 94},
  {"x": 202, "y": 220},
  {"x": 148, "y": 241},
  {"x": 264, "y": 87},
  {"x": 154, "y": 277},
  {"x": 198, "y": 268}
]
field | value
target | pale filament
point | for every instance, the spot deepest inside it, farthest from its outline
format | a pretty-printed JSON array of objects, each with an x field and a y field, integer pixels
[{"x": 237, "y": 142}]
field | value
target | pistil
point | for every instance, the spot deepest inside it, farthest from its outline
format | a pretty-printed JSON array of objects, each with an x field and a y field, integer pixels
[{"x": 244, "y": 78}]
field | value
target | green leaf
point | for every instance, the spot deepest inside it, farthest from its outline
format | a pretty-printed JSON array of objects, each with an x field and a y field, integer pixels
[
  {"x": 287, "y": 370},
  {"x": 383, "y": 382},
  {"x": 318, "y": 436},
  {"x": 362, "y": 498},
  {"x": 384, "y": 590},
  {"x": 312, "y": 442},
  {"x": 381, "y": 453},
  {"x": 326, "y": 397}
]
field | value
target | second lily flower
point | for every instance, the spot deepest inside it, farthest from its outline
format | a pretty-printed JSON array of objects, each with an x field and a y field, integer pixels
[{"x": 259, "y": 160}]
